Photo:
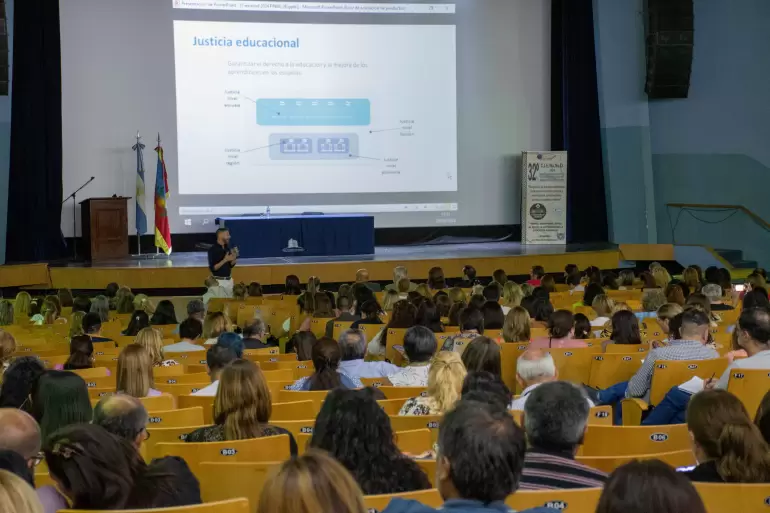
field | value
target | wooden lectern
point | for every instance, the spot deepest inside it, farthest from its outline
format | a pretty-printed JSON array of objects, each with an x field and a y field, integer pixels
[{"x": 104, "y": 222}]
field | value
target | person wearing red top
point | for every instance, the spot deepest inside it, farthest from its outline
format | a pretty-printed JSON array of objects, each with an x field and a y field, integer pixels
[{"x": 536, "y": 275}]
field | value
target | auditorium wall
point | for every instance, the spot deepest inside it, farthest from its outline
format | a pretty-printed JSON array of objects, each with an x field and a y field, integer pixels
[{"x": 5, "y": 142}]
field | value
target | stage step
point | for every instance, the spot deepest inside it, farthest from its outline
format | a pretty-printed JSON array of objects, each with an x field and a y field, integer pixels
[{"x": 735, "y": 257}]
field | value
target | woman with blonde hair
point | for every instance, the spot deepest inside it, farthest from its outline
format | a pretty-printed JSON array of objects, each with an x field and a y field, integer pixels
[
  {"x": 691, "y": 279},
  {"x": 516, "y": 327},
  {"x": 512, "y": 294},
  {"x": 391, "y": 298},
  {"x": 423, "y": 290},
  {"x": 6, "y": 313},
  {"x": 76, "y": 324},
  {"x": 602, "y": 305},
  {"x": 21, "y": 304},
  {"x": 101, "y": 305},
  {"x": 666, "y": 313},
  {"x": 661, "y": 276},
  {"x": 214, "y": 325},
  {"x": 151, "y": 340},
  {"x": 48, "y": 314},
  {"x": 134, "y": 376},
  {"x": 17, "y": 496},
  {"x": 142, "y": 302},
  {"x": 312, "y": 483},
  {"x": 240, "y": 290},
  {"x": 242, "y": 407},
  {"x": 726, "y": 443},
  {"x": 124, "y": 301},
  {"x": 457, "y": 295},
  {"x": 7, "y": 348},
  {"x": 445, "y": 382}
]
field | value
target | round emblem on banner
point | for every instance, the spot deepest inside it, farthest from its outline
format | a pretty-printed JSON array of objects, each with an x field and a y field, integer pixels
[{"x": 537, "y": 211}]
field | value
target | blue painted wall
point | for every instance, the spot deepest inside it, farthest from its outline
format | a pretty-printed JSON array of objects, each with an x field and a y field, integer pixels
[
  {"x": 5, "y": 142},
  {"x": 714, "y": 147}
]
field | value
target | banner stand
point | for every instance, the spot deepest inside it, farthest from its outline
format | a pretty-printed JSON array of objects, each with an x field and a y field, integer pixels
[{"x": 544, "y": 197}]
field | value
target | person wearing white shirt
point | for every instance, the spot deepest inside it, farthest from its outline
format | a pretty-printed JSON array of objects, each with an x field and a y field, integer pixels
[
  {"x": 420, "y": 346},
  {"x": 533, "y": 368},
  {"x": 213, "y": 289},
  {"x": 217, "y": 358},
  {"x": 602, "y": 305},
  {"x": 353, "y": 346},
  {"x": 190, "y": 330},
  {"x": 754, "y": 337}
]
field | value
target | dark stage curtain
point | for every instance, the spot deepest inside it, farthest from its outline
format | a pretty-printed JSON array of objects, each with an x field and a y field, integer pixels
[
  {"x": 575, "y": 123},
  {"x": 35, "y": 184}
]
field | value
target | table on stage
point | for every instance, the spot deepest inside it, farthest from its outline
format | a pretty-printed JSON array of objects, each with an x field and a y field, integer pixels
[{"x": 301, "y": 235}]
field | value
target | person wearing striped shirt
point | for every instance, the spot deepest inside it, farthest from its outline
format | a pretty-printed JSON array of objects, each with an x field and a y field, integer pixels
[{"x": 555, "y": 421}]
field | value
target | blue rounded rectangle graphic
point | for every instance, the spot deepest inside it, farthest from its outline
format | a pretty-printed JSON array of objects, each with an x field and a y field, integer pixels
[{"x": 313, "y": 112}]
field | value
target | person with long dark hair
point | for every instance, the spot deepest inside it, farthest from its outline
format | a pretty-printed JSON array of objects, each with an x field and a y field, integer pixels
[
  {"x": 81, "y": 353},
  {"x": 428, "y": 315},
  {"x": 353, "y": 428},
  {"x": 326, "y": 356},
  {"x": 625, "y": 329},
  {"x": 139, "y": 320},
  {"x": 482, "y": 354},
  {"x": 19, "y": 381},
  {"x": 165, "y": 314},
  {"x": 292, "y": 286}
]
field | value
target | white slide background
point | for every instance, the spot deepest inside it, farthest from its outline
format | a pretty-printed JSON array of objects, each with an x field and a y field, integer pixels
[{"x": 409, "y": 75}]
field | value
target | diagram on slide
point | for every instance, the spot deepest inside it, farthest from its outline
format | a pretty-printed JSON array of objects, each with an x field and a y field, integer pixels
[{"x": 301, "y": 108}]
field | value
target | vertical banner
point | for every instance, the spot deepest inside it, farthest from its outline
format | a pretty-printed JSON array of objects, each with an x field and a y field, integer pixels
[{"x": 544, "y": 197}]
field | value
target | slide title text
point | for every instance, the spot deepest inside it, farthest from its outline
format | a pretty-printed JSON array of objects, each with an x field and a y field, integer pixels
[{"x": 247, "y": 42}]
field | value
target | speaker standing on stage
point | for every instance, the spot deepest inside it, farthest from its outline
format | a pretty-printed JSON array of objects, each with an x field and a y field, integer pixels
[{"x": 222, "y": 260}]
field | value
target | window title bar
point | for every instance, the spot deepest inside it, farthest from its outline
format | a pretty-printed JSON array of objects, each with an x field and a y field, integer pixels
[{"x": 324, "y": 7}]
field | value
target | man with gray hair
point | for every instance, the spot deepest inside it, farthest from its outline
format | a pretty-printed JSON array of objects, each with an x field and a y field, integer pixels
[
  {"x": 555, "y": 420},
  {"x": 353, "y": 346},
  {"x": 714, "y": 294},
  {"x": 533, "y": 368},
  {"x": 124, "y": 416},
  {"x": 399, "y": 273}
]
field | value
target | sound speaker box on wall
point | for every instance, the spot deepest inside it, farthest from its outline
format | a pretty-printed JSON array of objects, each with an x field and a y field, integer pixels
[{"x": 669, "y": 27}]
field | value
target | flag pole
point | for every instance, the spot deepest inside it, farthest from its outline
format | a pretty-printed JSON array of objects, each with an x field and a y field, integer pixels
[
  {"x": 157, "y": 249},
  {"x": 138, "y": 235},
  {"x": 139, "y": 199}
]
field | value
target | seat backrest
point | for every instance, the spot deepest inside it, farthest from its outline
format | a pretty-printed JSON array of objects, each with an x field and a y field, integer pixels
[
  {"x": 750, "y": 386},
  {"x": 171, "y": 370},
  {"x": 177, "y": 418},
  {"x": 608, "y": 369},
  {"x": 391, "y": 406},
  {"x": 98, "y": 393},
  {"x": 607, "y": 464},
  {"x": 101, "y": 382},
  {"x": 722, "y": 498},
  {"x": 395, "y": 338},
  {"x": 206, "y": 402},
  {"x": 376, "y": 382},
  {"x": 377, "y": 503},
  {"x": 220, "y": 481},
  {"x": 253, "y": 450},
  {"x": 228, "y": 506},
  {"x": 161, "y": 402},
  {"x": 628, "y": 440},
  {"x": 583, "y": 500},
  {"x": 295, "y": 427},
  {"x": 670, "y": 373},
  {"x": 414, "y": 422},
  {"x": 292, "y": 396},
  {"x": 184, "y": 379},
  {"x": 429, "y": 467},
  {"x": 402, "y": 392},
  {"x": 600, "y": 416},
  {"x": 318, "y": 325},
  {"x": 339, "y": 327},
  {"x": 279, "y": 375},
  {"x": 626, "y": 348},
  {"x": 414, "y": 442},
  {"x": 509, "y": 355},
  {"x": 181, "y": 389},
  {"x": 188, "y": 357},
  {"x": 164, "y": 435},
  {"x": 297, "y": 410},
  {"x": 574, "y": 364},
  {"x": 96, "y": 372}
]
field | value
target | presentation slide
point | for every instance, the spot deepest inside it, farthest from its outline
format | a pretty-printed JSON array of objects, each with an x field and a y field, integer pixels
[
  {"x": 416, "y": 112},
  {"x": 295, "y": 108}
]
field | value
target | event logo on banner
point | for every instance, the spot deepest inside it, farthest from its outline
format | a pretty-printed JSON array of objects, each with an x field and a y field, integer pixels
[{"x": 544, "y": 197}]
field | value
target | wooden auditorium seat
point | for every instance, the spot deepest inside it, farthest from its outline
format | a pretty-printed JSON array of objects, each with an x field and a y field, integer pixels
[
  {"x": 750, "y": 386},
  {"x": 630, "y": 440},
  {"x": 224, "y": 480},
  {"x": 583, "y": 500},
  {"x": 253, "y": 450},
  {"x": 229, "y": 506},
  {"x": 727, "y": 498},
  {"x": 177, "y": 418},
  {"x": 377, "y": 503},
  {"x": 607, "y": 464}
]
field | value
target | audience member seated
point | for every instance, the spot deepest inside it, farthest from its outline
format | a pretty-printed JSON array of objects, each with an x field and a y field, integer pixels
[
  {"x": 345, "y": 313},
  {"x": 533, "y": 368},
  {"x": 355, "y": 430},
  {"x": 196, "y": 309},
  {"x": 494, "y": 318},
  {"x": 151, "y": 339},
  {"x": 321, "y": 309},
  {"x": 453, "y": 317},
  {"x": 755, "y": 298},
  {"x": 457, "y": 295},
  {"x": 81, "y": 353},
  {"x": 516, "y": 325},
  {"x": 217, "y": 358},
  {"x": 242, "y": 407},
  {"x": 556, "y": 419},
  {"x": 95, "y": 470},
  {"x": 471, "y": 324},
  {"x": 428, "y": 316},
  {"x": 370, "y": 314},
  {"x": 314, "y": 482},
  {"x": 701, "y": 302},
  {"x": 762, "y": 419},
  {"x": 100, "y": 305},
  {"x": 20, "y": 433},
  {"x": 420, "y": 346},
  {"x": 389, "y": 299},
  {"x": 436, "y": 280},
  {"x": 482, "y": 354},
  {"x": 302, "y": 343},
  {"x": 536, "y": 274},
  {"x": 581, "y": 327},
  {"x": 190, "y": 331},
  {"x": 400, "y": 273},
  {"x": 254, "y": 333},
  {"x": 124, "y": 301},
  {"x": 661, "y": 276},
  {"x": 21, "y": 305},
  {"x": 540, "y": 311},
  {"x": 7, "y": 317},
  {"x": 445, "y": 381},
  {"x": 213, "y": 290},
  {"x": 214, "y": 325},
  {"x": 139, "y": 320},
  {"x": 477, "y": 300},
  {"x": 404, "y": 315},
  {"x": 165, "y": 314},
  {"x": 512, "y": 296},
  {"x": 548, "y": 283},
  {"x": 610, "y": 281},
  {"x": 694, "y": 331},
  {"x": 665, "y": 313},
  {"x": 362, "y": 277},
  {"x": 60, "y": 398},
  {"x": 92, "y": 326},
  {"x": 353, "y": 347},
  {"x": 14, "y": 463},
  {"x": 487, "y": 388},
  {"x": 727, "y": 445},
  {"x": 123, "y": 416},
  {"x": 714, "y": 294},
  {"x": 19, "y": 382},
  {"x": 602, "y": 305},
  {"x": 135, "y": 376},
  {"x": 647, "y": 486},
  {"x": 240, "y": 291},
  {"x": 326, "y": 355},
  {"x": 675, "y": 294},
  {"x": 292, "y": 286},
  {"x": 753, "y": 336},
  {"x": 480, "y": 479},
  {"x": 17, "y": 495},
  {"x": 625, "y": 330},
  {"x": 492, "y": 292},
  {"x": 560, "y": 333},
  {"x": 469, "y": 277}
]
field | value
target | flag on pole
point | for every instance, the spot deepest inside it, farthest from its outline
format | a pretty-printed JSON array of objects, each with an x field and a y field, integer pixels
[
  {"x": 141, "y": 217},
  {"x": 162, "y": 230}
]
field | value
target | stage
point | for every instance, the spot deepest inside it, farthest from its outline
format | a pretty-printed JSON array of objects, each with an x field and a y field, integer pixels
[{"x": 189, "y": 270}]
